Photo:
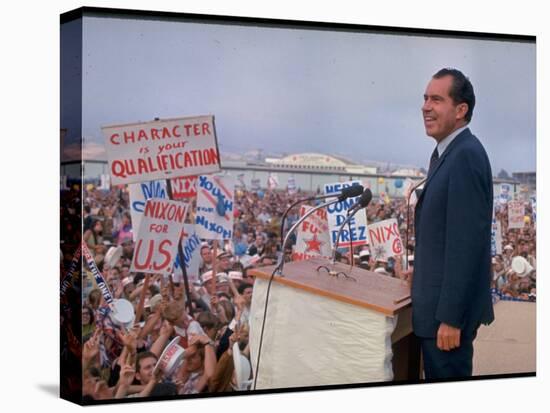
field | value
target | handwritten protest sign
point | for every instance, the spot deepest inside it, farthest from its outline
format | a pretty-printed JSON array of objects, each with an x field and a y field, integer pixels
[
  {"x": 496, "y": 237},
  {"x": 184, "y": 187},
  {"x": 337, "y": 215},
  {"x": 313, "y": 238},
  {"x": 139, "y": 193},
  {"x": 272, "y": 181},
  {"x": 516, "y": 212},
  {"x": 255, "y": 184},
  {"x": 105, "y": 182},
  {"x": 505, "y": 196},
  {"x": 385, "y": 240},
  {"x": 291, "y": 185},
  {"x": 158, "y": 236},
  {"x": 215, "y": 197},
  {"x": 161, "y": 149},
  {"x": 190, "y": 245}
]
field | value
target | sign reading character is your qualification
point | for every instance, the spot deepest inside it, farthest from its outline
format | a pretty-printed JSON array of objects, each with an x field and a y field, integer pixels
[{"x": 161, "y": 149}]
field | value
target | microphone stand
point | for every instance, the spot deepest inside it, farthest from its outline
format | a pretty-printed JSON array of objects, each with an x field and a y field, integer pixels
[
  {"x": 414, "y": 188},
  {"x": 311, "y": 198},
  {"x": 347, "y": 220},
  {"x": 279, "y": 268}
]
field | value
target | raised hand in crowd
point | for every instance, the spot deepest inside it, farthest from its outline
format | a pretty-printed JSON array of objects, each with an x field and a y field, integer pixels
[
  {"x": 127, "y": 374},
  {"x": 90, "y": 350}
]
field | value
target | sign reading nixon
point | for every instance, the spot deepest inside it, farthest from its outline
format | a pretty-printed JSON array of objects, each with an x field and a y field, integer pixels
[
  {"x": 139, "y": 193},
  {"x": 161, "y": 149},
  {"x": 158, "y": 236},
  {"x": 337, "y": 214},
  {"x": 385, "y": 240},
  {"x": 215, "y": 198}
]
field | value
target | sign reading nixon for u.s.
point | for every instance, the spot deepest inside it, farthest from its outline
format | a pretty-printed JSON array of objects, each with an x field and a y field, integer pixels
[
  {"x": 161, "y": 149},
  {"x": 158, "y": 236},
  {"x": 215, "y": 199},
  {"x": 337, "y": 214}
]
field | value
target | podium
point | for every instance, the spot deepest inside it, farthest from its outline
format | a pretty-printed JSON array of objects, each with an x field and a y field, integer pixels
[{"x": 323, "y": 329}]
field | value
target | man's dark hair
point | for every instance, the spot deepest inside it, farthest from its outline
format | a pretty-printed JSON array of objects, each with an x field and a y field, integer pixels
[
  {"x": 243, "y": 287},
  {"x": 143, "y": 355},
  {"x": 461, "y": 91},
  {"x": 164, "y": 389}
]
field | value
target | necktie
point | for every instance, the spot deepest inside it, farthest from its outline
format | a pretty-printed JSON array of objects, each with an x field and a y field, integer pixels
[{"x": 433, "y": 161}]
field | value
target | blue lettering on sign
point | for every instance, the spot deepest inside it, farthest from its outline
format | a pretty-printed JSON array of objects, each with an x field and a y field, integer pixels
[
  {"x": 341, "y": 206},
  {"x": 215, "y": 191},
  {"x": 213, "y": 227},
  {"x": 138, "y": 206},
  {"x": 153, "y": 189},
  {"x": 330, "y": 189},
  {"x": 189, "y": 247},
  {"x": 357, "y": 234}
]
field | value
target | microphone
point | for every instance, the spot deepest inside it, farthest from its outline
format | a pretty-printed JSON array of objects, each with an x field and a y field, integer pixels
[
  {"x": 350, "y": 191},
  {"x": 361, "y": 203}
]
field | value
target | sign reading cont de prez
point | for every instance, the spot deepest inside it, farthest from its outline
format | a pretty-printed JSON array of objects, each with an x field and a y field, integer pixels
[
  {"x": 158, "y": 236},
  {"x": 161, "y": 149}
]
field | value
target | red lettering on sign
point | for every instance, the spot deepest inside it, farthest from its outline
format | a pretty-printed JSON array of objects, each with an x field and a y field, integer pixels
[
  {"x": 162, "y": 251},
  {"x": 143, "y": 266}
]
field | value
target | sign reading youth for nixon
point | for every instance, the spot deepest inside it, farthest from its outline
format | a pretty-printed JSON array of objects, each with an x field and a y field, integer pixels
[{"x": 161, "y": 149}]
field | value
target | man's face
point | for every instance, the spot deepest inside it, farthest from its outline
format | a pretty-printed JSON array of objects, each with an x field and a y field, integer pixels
[
  {"x": 222, "y": 287},
  {"x": 206, "y": 255},
  {"x": 441, "y": 115},
  {"x": 146, "y": 366},
  {"x": 225, "y": 263},
  {"x": 247, "y": 295}
]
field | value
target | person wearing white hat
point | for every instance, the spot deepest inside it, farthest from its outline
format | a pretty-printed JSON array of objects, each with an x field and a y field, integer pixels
[{"x": 508, "y": 251}]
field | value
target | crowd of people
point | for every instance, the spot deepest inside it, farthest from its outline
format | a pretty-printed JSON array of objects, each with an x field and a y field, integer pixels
[{"x": 213, "y": 322}]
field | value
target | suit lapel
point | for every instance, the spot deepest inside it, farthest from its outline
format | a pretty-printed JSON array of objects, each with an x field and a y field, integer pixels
[{"x": 456, "y": 141}]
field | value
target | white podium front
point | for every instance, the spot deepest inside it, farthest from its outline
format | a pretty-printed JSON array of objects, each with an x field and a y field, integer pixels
[{"x": 325, "y": 330}]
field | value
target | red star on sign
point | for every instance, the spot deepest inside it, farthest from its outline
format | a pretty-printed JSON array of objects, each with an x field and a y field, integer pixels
[{"x": 313, "y": 244}]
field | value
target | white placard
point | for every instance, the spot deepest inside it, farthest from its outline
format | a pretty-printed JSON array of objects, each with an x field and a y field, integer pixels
[
  {"x": 337, "y": 214},
  {"x": 139, "y": 193},
  {"x": 161, "y": 149},
  {"x": 385, "y": 239},
  {"x": 516, "y": 213},
  {"x": 313, "y": 238},
  {"x": 158, "y": 235},
  {"x": 215, "y": 203},
  {"x": 191, "y": 247}
]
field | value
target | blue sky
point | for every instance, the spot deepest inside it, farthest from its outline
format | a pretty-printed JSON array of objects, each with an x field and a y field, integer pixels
[{"x": 284, "y": 90}]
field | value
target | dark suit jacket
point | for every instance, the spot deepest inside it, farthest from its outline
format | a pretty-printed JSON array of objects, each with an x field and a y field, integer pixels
[{"x": 452, "y": 259}]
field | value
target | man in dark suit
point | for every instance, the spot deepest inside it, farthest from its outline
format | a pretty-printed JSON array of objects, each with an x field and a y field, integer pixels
[{"x": 451, "y": 280}]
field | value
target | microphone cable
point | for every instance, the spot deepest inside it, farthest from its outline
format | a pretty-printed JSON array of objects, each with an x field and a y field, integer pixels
[{"x": 345, "y": 194}]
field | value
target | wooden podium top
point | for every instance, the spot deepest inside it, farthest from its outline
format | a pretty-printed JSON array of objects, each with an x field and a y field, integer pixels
[{"x": 372, "y": 290}]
